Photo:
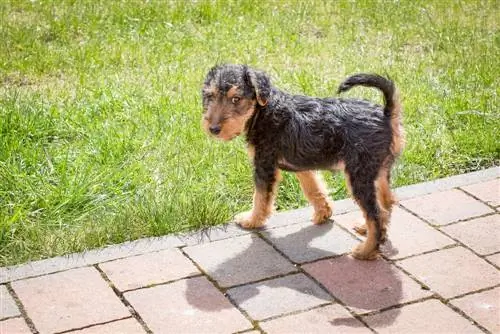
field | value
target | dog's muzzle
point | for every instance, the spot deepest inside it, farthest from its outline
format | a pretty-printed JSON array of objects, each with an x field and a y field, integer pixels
[{"x": 214, "y": 129}]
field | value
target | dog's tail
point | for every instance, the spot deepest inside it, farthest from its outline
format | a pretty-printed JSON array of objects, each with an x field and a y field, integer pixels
[{"x": 392, "y": 107}]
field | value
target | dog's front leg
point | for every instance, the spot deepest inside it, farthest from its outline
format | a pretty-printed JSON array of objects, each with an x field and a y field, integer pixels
[
  {"x": 267, "y": 178},
  {"x": 315, "y": 191}
]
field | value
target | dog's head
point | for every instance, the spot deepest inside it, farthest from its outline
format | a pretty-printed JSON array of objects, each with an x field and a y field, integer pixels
[{"x": 231, "y": 95}]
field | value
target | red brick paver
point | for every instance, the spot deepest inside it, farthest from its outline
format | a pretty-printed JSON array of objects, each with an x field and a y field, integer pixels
[
  {"x": 94, "y": 256},
  {"x": 365, "y": 286},
  {"x": 480, "y": 234},
  {"x": 309, "y": 242},
  {"x": 452, "y": 272},
  {"x": 14, "y": 326},
  {"x": 439, "y": 272},
  {"x": 327, "y": 319},
  {"x": 69, "y": 300},
  {"x": 483, "y": 307},
  {"x": 446, "y": 207},
  {"x": 126, "y": 326},
  {"x": 192, "y": 305},
  {"x": 426, "y": 317},
  {"x": 287, "y": 294},
  {"x": 407, "y": 235},
  {"x": 488, "y": 191},
  {"x": 239, "y": 260},
  {"x": 153, "y": 268}
]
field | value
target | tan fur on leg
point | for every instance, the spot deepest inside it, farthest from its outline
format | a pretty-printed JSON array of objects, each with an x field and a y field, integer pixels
[
  {"x": 367, "y": 250},
  {"x": 315, "y": 191},
  {"x": 263, "y": 203},
  {"x": 359, "y": 229},
  {"x": 385, "y": 200}
]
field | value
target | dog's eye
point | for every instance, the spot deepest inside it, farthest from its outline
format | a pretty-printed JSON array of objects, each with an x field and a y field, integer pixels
[{"x": 235, "y": 100}]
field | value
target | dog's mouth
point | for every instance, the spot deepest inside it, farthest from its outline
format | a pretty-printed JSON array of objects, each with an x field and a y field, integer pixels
[{"x": 226, "y": 137}]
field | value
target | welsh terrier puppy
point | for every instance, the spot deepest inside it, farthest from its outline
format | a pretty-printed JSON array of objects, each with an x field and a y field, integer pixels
[{"x": 304, "y": 134}]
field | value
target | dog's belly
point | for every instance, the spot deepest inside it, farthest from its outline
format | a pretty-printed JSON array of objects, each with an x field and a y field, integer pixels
[
  {"x": 285, "y": 165},
  {"x": 290, "y": 167}
]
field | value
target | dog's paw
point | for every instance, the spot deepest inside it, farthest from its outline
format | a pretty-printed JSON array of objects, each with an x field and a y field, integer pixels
[
  {"x": 360, "y": 229},
  {"x": 321, "y": 215},
  {"x": 365, "y": 252},
  {"x": 247, "y": 220}
]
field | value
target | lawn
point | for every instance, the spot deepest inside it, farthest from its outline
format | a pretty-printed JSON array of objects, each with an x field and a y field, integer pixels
[{"x": 100, "y": 138}]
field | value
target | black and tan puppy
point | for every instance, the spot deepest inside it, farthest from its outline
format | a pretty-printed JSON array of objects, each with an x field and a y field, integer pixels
[{"x": 305, "y": 134}]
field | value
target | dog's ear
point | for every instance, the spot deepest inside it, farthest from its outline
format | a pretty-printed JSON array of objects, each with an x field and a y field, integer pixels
[{"x": 261, "y": 85}]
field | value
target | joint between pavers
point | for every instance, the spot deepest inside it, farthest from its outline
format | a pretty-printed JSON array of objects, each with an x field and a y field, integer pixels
[
  {"x": 255, "y": 325},
  {"x": 88, "y": 258},
  {"x": 491, "y": 262},
  {"x": 203, "y": 272},
  {"x": 454, "y": 245},
  {"x": 465, "y": 219},
  {"x": 446, "y": 183},
  {"x": 432, "y": 297},
  {"x": 254, "y": 322},
  {"x": 438, "y": 229},
  {"x": 250, "y": 330},
  {"x": 435, "y": 295},
  {"x": 437, "y": 226},
  {"x": 270, "y": 278},
  {"x": 124, "y": 301},
  {"x": 162, "y": 283},
  {"x": 19, "y": 316},
  {"x": 463, "y": 314},
  {"x": 286, "y": 314},
  {"x": 329, "y": 257},
  {"x": 23, "y": 277},
  {"x": 24, "y": 313},
  {"x": 477, "y": 198},
  {"x": 473, "y": 292},
  {"x": 329, "y": 221},
  {"x": 202, "y": 236},
  {"x": 300, "y": 270},
  {"x": 461, "y": 244},
  {"x": 401, "y": 305},
  {"x": 94, "y": 325},
  {"x": 423, "y": 286}
]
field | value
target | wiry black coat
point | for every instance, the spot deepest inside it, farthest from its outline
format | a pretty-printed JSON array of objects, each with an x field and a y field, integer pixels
[
  {"x": 298, "y": 133},
  {"x": 294, "y": 132}
]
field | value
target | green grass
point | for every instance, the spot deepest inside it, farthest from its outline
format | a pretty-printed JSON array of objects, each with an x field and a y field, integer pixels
[{"x": 100, "y": 105}]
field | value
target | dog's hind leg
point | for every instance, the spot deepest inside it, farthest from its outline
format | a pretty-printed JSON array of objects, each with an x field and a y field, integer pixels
[
  {"x": 365, "y": 194},
  {"x": 359, "y": 228},
  {"x": 385, "y": 199},
  {"x": 315, "y": 191}
]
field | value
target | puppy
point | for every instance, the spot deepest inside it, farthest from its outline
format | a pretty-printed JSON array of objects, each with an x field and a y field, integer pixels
[{"x": 304, "y": 134}]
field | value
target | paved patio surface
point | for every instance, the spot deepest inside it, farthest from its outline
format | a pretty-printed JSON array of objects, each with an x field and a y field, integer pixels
[{"x": 439, "y": 273}]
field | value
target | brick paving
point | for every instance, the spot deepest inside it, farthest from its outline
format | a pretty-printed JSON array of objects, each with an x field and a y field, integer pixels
[{"x": 439, "y": 272}]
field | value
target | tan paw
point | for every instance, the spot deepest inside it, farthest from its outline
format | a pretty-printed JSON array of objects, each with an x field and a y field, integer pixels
[
  {"x": 320, "y": 216},
  {"x": 360, "y": 229},
  {"x": 247, "y": 220},
  {"x": 363, "y": 252}
]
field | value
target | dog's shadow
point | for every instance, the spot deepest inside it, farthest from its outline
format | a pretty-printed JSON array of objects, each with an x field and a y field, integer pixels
[{"x": 361, "y": 286}]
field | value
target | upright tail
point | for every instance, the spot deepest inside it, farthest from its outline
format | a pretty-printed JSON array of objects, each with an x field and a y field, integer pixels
[
  {"x": 377, "y": 81},
  {"x": 392, "y": 107}
]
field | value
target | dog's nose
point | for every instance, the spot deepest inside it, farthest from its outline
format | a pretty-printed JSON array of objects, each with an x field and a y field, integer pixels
[{"x": 215, "y": 129}]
